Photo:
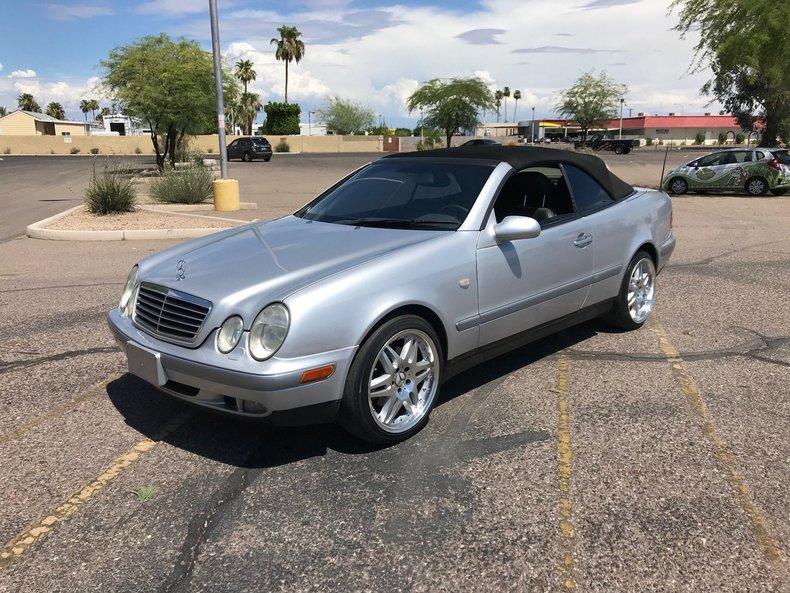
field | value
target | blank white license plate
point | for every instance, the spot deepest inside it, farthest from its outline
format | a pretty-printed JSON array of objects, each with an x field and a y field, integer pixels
[{"x": 145, "y": 364}]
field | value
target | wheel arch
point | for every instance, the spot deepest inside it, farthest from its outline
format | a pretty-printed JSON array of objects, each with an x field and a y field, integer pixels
[
  {"x": 650, "y": 249},
  {"x": 423, "y": 311}
]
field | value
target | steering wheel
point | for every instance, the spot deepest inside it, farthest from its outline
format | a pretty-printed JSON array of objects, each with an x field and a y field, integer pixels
[{"x": 456, "y": 211}]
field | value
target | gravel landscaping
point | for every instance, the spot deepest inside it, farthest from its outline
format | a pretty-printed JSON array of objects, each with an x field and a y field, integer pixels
[{"x": 139, "y": 219}]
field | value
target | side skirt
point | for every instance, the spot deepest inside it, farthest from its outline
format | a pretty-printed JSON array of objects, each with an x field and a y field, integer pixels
[{"x": 479, "y": 355}]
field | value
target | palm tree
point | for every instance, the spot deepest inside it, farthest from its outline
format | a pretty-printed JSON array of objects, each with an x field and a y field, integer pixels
[
  {"x": 289, "y": 48},
  {"x": 2, "y": 111},
  {"x": 56, "y": 110},
  {"x": 85, "y": 107},
  {"x": 26, "y": 102},
  {"x": 244, "y": 72},
  {"x": 250, "y": 105},
  {"x": 516, "y": 97},
  {"x": 506, "y": 94},
  {"x": 498, "y": 102},
  {"x": 94, "y": 106},
  {"x": 105, "y": 111}
]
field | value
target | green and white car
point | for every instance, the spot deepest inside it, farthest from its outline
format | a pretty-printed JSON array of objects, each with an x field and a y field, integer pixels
[{"x": 753, "y": 170}]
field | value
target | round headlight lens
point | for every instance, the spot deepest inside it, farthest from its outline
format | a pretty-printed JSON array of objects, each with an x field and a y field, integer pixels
[
  {"x": 128, "y": 289},
  {"x": 229, "y": 334},
  {"x": 268, "y": 331}
]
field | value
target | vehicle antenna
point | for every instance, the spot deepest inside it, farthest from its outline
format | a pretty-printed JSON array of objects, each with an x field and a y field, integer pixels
[{"x": 663, "y": 167}]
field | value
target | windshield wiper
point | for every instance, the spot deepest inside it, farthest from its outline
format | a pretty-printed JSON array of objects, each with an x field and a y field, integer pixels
[{"x": 387, "y": 222}]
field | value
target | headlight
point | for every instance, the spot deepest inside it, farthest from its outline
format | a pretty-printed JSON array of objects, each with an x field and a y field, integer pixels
[
  {"x": 268, "y": 331},
  {"x": 126, "y": 296},
  {"x": 229, "y": 334}
]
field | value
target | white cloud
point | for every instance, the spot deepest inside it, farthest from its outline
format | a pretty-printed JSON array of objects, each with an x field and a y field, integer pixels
[
  {"x": 70, "y": 12},
  {"x": 23, "y": 74}
]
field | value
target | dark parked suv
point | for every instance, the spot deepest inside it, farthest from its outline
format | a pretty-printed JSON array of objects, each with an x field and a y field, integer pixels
[{"x": 248, "y": 149}]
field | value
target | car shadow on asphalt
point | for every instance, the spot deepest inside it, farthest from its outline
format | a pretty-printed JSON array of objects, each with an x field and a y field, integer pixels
[{"x": 242, "y": 443}]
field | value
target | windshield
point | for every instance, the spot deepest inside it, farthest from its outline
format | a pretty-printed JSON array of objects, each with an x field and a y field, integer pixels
[{"x": 397, "y": 193}]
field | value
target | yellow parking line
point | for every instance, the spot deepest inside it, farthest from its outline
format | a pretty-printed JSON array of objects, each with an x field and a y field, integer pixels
[
  {"x": 564, "y": 473},
  {"x": 14, "y": 549},
  {"x": 56, "y": 411},
  {"x": 761, "y": 528}
]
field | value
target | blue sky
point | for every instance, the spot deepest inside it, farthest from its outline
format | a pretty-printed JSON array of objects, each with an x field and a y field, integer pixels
[{"x": 375, "y": 52}]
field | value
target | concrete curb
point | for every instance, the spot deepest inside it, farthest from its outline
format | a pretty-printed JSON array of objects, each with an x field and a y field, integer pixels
[
  {"x": 38, "y": 230},
  {"x": 184, "y": 208}
]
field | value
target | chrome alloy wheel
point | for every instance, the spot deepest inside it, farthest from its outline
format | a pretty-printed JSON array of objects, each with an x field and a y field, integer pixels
[
  {"x": 403, "y": 381},
  {"x": 641, "y": 290},
  {"x": 756, "y": 187},
  {"x": 679, "y": 186}
]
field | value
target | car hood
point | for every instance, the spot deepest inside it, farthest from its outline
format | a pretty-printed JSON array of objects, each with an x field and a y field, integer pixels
[{"x": 241, "y": 271}]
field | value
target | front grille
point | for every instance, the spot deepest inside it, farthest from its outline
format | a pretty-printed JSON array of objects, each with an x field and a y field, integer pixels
[{"x": 170, "y": 313}]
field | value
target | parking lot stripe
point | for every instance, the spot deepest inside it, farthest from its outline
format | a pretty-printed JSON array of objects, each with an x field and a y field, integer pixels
[
  {"x": 14, "y": 549},
  {"x": 761, "y": 528},
  {"x": 56, "y": 411},
  {"x": 565, "y": 472}
]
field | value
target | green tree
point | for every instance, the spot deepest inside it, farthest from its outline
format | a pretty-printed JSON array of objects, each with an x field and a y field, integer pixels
[
  {"x": 94, "y": 106},
  {"x": 56, "y": 110},
  {"x": 591, "y": 101},
  {"x": 105, "y": 111},
  {"x": 516, "y": 97},
  {"x": 505, "y": 95},
  {"x": 746, "y": 45},
  {"x": 346, "y": 117},
  {"x": 85, "y": 107},
  {"x": 498, "y": 103},
  {"x": 26, "y": 102},
  {"x": 451, "y": 105},
  {"x": 249, "y": 106},
  {"x": 281, "y": 118},
  {"x": 2, "y": 111},
  {"x": 245, "y": 73},
  {"x": 167, "y": 84},
  {"x": 289, "y": 48}
]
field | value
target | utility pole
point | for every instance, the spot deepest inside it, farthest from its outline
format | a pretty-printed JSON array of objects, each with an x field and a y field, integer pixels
[
  {"x": 309, "y": 123},
  {"x": 533, "y": 125},
  {"x": 620, "y": 136},
  {"x": 223, "y": 155}
]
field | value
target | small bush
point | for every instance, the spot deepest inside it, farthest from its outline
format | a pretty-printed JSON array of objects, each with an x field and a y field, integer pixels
[
  {"x": 94, "y": 150},
  {"x": 722, "y": 138},
  {"x": 74, "y": 150},
  {"x": 187, "y": 185},
  {"x": 7, "y": 150},
  {"x": 740, "y": 138},
  {"x": 648, "y": 141},
  {"x": 138, "y": 150},
  {"x": 282, "y": 146},
  {"x": 51, "y": 151},
  {"x": 699, "y": 138},
  {"x": 210, "y": 150},
  {"x": 110, "y": 193}
]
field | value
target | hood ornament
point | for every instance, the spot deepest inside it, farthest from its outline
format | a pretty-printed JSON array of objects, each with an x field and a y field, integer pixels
[{"x": 181, "y": 270}]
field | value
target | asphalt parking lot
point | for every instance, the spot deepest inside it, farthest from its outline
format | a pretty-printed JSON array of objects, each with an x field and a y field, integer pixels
[{"x": 592, "y": 460}]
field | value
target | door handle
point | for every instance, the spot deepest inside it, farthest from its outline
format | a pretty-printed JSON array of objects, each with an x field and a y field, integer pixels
[{"x": 583, "y": 240}]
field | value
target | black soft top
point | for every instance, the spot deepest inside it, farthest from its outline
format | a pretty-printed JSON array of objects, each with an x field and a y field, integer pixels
[{"x": 520, "y": 157}]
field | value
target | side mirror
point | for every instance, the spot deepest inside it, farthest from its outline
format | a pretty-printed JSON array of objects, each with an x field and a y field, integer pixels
[{"x": 516, "y": 227}]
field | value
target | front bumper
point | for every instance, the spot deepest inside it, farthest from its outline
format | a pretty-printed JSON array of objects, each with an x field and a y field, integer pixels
[{"x": 263, "y": 389}]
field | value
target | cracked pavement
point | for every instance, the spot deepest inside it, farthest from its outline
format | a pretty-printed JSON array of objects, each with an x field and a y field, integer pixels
[{"x": 616, "y": 462}]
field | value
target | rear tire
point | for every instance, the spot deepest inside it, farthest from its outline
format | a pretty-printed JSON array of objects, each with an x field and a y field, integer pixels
[
  {"x": 619, "y": 150},
  {"x": 678, "y": 186},
  {"x": 267, "y": 159},
  {"x": 756, "y": 186},
  {"x": 779, "y": 192},
  {"x": 246, "y": 157},
  {"x": 635, "y": 301},
  {"x": 391, "y": 388}
]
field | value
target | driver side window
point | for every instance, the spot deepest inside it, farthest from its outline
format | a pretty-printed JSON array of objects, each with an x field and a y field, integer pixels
[
  {"x": 711, "y": 160},
  {"x": 538, "y": 192}
]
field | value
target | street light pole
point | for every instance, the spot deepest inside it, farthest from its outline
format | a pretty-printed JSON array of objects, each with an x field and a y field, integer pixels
[
  {"x": 620, "y": 136},
  {"x": 309, "y": 123},
  {"x": 533, "y": 125},
  {"x": 223, "y": 155}
]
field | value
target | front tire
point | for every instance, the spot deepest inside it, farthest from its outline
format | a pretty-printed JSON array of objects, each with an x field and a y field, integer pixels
[
  {"x": 756, "y": 186},
  {"x": 637, "y": 295},
  {"x": 678, "y": 186},
  {"x": 393, "y": 383}
]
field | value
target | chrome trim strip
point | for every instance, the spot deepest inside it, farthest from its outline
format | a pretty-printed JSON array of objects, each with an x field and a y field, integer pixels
[{"x": 536, "y": 299}]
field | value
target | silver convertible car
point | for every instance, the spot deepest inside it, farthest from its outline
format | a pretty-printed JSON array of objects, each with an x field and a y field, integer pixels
[{"x": 358, "y": 306}]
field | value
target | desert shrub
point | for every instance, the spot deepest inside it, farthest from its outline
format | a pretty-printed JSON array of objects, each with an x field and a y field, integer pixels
[
  {"x": 648, "y": 141},
  {"x": 110, "y": 192},
  {"x": 94, "y": 150},
  {"x": 740, "y": 138},
  {"x": 282, "y": 146},
  {"x": 51, "y": 151},
  {"x": 722, "y": 138},
  {"x": 188, "y": 185},
  {"x": 210, "y": 150},
  {"x": 699, "y": 138},
  {"x": 74, "y": 150},
  {"x": 138, "y": 150}
]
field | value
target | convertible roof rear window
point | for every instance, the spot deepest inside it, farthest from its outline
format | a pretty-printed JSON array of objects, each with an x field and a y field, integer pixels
[{"x": 419, "y": 194}]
